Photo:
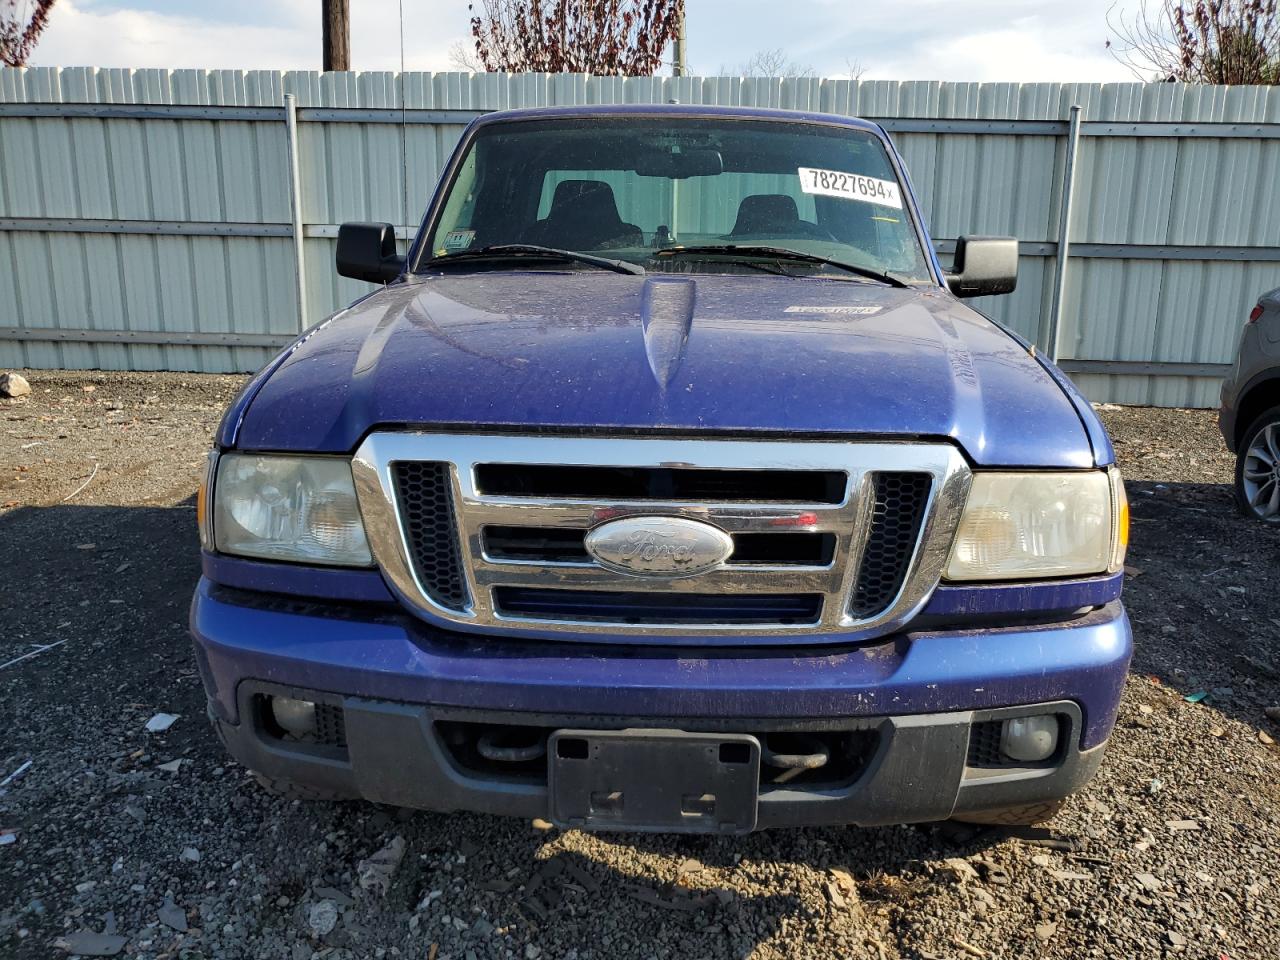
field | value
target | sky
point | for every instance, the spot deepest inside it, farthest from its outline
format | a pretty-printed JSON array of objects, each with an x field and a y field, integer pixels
[{"x": 975, "y": 40}]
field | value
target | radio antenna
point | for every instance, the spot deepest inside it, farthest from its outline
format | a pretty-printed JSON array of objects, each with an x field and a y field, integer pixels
[{"x": 404, "y": 131}]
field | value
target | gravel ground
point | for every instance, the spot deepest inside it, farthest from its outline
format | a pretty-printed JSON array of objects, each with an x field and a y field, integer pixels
[{"x": 1174, "y": 847}]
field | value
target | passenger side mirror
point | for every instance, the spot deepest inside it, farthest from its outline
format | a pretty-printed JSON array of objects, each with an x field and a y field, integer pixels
[
  {"x": 367, "y": 251},
  {"x": 984, "y": 266}
]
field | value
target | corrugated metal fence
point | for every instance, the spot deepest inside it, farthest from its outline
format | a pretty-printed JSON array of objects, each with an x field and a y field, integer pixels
[{"x": 146, "y": 217}]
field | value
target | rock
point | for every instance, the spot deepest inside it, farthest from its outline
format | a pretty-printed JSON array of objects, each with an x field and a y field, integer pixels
[
  {"x": 89, "y": 944},
  {"x": 1266, "y": 738},
  {"x": 542, "y": 826},
  {"x": 1143, "y": 708},
  {"x": 1273, "y": 713},
  {"x": 1182, "y": 824},
  {"x": 13, "y": 385},
  {"x": 86, "y": 886},
  {"x": 322, "y": 918},
  {"x": 190, "y": 854},
  {"x": 1149, "y": 881},
  {"x": 173, "y": 766},
  {"x": 161, "y": 722},
  {"x": 172, "y": 915},
  {"x": 961, "y": 870},
  {"x": 1069, "y": 875},
  {"x": 375, "y": 872},
  {"x": 1176, "y": 939},
  {"x": 1045, "y": 931},
  {"x": 845, "y": 879},
  {"x": 688, "y": 865},
  {"x": 1042, "y": 860},
  {"x": 532, "y": 953},
  {"x": 336, "y": 895},
  {"x": 833, "y": 894}
]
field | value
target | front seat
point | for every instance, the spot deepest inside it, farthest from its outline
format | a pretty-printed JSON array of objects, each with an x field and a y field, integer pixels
[
  {"x": 772, "y": 215},
  {"x": 584, "y": 216}
]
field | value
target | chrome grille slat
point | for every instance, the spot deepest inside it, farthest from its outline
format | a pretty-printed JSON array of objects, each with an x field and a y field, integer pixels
[
  {"x": 734, "y": 518},
  {"x": 848, "y": 522}
]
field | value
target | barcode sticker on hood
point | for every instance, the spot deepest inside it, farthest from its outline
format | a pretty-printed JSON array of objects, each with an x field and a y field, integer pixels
[{"x": 850, "y": 186}]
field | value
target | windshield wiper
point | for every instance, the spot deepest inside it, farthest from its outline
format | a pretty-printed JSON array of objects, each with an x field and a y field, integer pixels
[
  {"x": 780, "y": 253},
  {"x": 535, "y": 252}
]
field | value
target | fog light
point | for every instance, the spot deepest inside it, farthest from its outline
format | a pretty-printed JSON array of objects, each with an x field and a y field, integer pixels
[
  {"x": 1030, "y": 739},
  {"x": 297, "y": 717}
]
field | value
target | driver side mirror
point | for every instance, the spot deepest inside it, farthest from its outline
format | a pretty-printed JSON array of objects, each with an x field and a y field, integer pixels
[
  {"x": 367, "y": 251},
  {"x": 984, "y": 266}
]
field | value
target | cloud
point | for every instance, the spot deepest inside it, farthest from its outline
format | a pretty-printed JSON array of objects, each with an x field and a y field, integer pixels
[
  {"x": 979, "y": 40},
  {"x": 1000, "y": 55},
  {"x": 1013, "y": 40},
  {"x": 287, "y": 37}
]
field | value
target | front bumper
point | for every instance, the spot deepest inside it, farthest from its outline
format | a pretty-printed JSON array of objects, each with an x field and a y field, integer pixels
[{"x": 917, "y": 695}]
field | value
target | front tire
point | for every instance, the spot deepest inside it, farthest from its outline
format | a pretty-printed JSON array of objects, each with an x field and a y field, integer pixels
[
  {"x": 1025, "y": 815},
  {"x": 1257, "y": 486},
  {"x": 293, "y": 790}
]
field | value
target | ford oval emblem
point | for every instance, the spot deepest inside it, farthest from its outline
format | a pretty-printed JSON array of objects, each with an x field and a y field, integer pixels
[{"x": 668, "y": 547}]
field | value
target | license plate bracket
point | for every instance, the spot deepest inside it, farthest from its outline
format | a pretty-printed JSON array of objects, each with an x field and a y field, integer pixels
[{"x": 668, "y": 781}]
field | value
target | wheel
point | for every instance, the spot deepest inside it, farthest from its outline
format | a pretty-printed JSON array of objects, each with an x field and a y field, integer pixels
[
  {"x": 1020, "y": 816},
  {"x": 292, "y": 790},
  {"x": 1258, "y": 469}
]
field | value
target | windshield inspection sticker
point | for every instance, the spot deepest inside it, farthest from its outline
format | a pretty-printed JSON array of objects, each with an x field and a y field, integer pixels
[
  {"x": 458, "y": 239},
  {"x": 850, "y": 186}
]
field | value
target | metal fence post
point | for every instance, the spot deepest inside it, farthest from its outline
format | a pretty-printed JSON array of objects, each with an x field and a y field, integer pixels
[
  {"x": 1065, "y": 196},
  {"x": 295, "y": 198}
]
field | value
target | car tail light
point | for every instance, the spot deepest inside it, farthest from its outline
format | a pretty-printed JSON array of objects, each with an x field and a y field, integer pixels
[{"x": 1255, "y": 313}]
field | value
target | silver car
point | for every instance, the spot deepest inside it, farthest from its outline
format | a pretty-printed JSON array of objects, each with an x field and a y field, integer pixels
[{"x": 1250, "y": 412}]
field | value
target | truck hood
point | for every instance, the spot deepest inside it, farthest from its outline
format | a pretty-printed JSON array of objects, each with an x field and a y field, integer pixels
[{"x": 567, "y": 351}]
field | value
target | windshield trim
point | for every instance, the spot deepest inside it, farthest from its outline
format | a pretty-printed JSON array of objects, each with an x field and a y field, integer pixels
[{"x": 418, "y": 258}]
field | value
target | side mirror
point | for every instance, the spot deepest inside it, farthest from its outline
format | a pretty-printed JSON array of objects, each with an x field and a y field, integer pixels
[
  {"x": 984, "y": 266},
  {"x": 367, "y": 251}
]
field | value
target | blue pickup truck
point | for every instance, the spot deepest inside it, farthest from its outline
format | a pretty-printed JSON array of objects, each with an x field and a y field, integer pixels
[{"x": 666, "y": 484}]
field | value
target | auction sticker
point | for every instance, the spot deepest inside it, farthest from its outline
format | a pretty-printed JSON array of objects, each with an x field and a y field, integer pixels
[{"x": 850, "y": 186}]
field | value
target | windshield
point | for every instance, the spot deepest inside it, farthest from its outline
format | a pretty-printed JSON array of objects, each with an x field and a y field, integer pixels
[{"x": 625, "y": 188}]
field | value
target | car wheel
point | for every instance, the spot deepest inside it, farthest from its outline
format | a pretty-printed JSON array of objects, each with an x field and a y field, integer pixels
[
  {"x": 292, "y": 790},
  {"x": 1258, "y": 469},
  {"x": 1025, "y": 815}
]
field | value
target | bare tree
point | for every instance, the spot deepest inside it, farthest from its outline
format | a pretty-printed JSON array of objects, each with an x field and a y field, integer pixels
[
  {"x": 463, "y": 56},
  {"x": 619, "y": 37},
  {"x": 1199, "y": 41},
  {"x": 772, "y": 63},
  {"x": 21, "y": 24}
]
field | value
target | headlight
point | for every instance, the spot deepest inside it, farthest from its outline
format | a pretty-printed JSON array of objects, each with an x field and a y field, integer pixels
[
  {"x": 288, "y": 508},
  {"x": 1019, "y": 526}
]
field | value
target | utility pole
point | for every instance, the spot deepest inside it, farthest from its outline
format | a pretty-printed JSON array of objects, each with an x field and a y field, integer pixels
[
  {"x": 678, "y": 63},
  {"x": 336, "y": 34}
]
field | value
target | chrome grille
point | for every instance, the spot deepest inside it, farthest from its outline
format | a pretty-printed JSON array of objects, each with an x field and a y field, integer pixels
[{"x": 484, "y": 532}]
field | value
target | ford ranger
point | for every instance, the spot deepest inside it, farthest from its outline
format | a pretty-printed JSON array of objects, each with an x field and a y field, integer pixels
[{"x": 666, "y": 484}]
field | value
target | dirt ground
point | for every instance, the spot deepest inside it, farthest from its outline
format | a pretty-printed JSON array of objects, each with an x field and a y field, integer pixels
[{"x": 1171, "y": 851}]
